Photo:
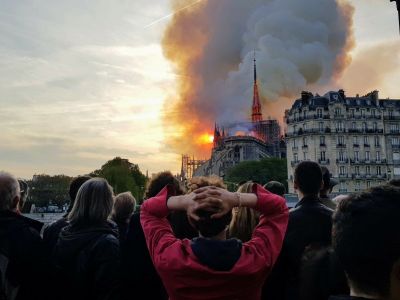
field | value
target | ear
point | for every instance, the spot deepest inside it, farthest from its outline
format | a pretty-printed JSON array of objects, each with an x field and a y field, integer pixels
[
  {"x": 15, "y": 202},
  {"x": 395, "y": 281}
]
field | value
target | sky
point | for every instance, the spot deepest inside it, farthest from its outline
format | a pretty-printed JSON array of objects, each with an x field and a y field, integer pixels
[{"x": 83, "y": 81}]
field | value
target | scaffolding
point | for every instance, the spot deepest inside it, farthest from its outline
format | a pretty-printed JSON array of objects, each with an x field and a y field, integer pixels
[{"x": 189, "y": 165}]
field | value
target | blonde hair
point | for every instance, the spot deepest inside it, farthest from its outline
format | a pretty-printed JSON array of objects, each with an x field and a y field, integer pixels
[
  {"x": 93, "y": 203},
  {"x": 244, "y": 219},
  {"x": 202, "y": 181},
  {"x": 124, "y": 207}
]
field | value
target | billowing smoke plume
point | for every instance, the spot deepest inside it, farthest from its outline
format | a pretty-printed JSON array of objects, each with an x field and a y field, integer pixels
[{"x": 298, "y": 45}]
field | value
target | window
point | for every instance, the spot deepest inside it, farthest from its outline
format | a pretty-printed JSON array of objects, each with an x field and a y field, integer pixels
[
  {"x": 322, "y": 140},
  {"x": 357, "y": 170},
  {"x": 378, "y": 170},
  {"x": 355, "y": 140},
  {"x": 342, "y": 156},
  {"x": 342, "y": 170},
  {"x": 296, "y": 158},
  {"x": 365, "y": 126},
  {"x": 295, "y": 129},
  {"x": 368, "y": 184},
  {"x": 373, "y": 113},
  {"x": 343, "y": 187},
  {"x": 354, "y": 126},
  {"x": 305, "y": 142},
  {"x": 305, "y": 114},
  {"x": 305, "y": 126},
  {"x": 296, "y": 116},
  {"x": 321, "y": 126},
  {"x": 358, "y": 185},
  {"x": 368, "y": 170},
  {"x": 378, "y": 156},
  {"x": 367, "y": 156},
  {"x": 395, "y": 141},
  {"x": 294, "y": 142},
  {"x": 356, "y": 155},
  {"x": 338, "y": 111},
  {"x": 341, "y": 140},
  {"x": 394, "y": 128},
  {"x": 376, "y": 141},
  {"x": 319, "y": 113},
  {"x": 375, "y": 126},
  {"x": 323, "y": 157},
  {"x": 391, "y": 114},
  {"x": 352, "y": 113},
  {"x": 339, "y": 126},
  {"x": 366, "y": 140},
  {"x": 363, "y": 113},
  {"x": 305, "y": 155}
]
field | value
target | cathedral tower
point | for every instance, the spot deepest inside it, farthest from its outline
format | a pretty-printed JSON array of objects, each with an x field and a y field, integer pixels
[{"x": 256, "y": 114}]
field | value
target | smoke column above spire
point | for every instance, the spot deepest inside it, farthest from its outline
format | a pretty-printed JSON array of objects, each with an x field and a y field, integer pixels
[{"x": 298, "y": 44}]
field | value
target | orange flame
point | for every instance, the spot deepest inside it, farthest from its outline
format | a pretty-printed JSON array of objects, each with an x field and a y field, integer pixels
[{"x": 205, "y": 139}]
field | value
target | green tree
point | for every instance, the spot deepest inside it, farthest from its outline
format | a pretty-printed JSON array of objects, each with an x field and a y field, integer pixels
[
  {"x": 259, "y": 171},
  {"x": 123, "y": 176}
]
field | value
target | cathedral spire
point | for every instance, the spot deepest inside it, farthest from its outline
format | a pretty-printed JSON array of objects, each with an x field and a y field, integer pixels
[{"x": 256, "y": 115}]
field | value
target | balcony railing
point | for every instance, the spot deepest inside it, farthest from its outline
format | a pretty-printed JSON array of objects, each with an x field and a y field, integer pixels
[
  {"x": 322, "y": 145},
  {"x": 365, "y": 161},
  {"x": 342, "y": 161},
  {"x": 341, "y": 146},
  {"x": 324, "y": 161}
]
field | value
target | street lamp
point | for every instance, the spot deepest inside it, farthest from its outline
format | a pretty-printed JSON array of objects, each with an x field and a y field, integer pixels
[{"x": 398, "y": 8}]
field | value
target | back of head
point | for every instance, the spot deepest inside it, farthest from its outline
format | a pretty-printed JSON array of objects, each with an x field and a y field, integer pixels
[
  {"x": 93, "y": 203},
  {"x": 9, "y": 191},
  {"x": 308, "y": 177},
  {"x": 244, "y": 219},
  {"x": 124, "y": 206},
  {"x": 159, "y": 181},
  {"x": 366, "y": 238},
  {"x": 208, "y": 227},
  {"x": 74, "y": 187},
  {"x": 395, "y": 182},
  {"x": 276, "y": 188}
]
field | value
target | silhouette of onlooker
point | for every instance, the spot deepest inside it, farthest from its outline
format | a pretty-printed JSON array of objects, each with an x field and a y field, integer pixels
[
  {"x": 23, "y": 265},
  {"x": 86, "y": 255},
  {"x": 310, "y": 224},
  {"x": 211, "y": 267},
  {"x": 139, "y": 275},
  {"x": 327, "y": 188},
  {"x": 322, "y": 275},
  {"x": 244, "y": 219},
  {"x": 276, "y": 188},
  {"x": 366, "y": 240},
  {"x": 52, "y": 231},
  {"x": 124, "y": 207}
]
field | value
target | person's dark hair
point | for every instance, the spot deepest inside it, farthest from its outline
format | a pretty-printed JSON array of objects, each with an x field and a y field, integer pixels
[
  {"x": 206, "y": 226},
  {"x": 74, "y": 187},
  {"x": 366, "y": 238},
  {"x": 276, "y": 188},
  {"x": 395, "y": 182},
  {"x": 322, "y": 275},
  {"x": 308, "y": 177},
  {"x": 326, "y": 178},
  {"x": 159, "y": 181}
]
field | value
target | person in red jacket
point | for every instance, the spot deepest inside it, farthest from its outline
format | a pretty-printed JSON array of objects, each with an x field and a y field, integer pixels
[{"x": 211, "y": 267}]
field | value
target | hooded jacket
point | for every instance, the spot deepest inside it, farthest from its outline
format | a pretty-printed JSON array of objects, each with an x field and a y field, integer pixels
[
  {"x": 86, "y": 259},
  {"x": 206, "y": 269},
  {"x": 20, "y": 242}
]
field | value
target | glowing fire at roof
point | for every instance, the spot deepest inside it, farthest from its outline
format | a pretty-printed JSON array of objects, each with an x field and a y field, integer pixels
[{"x": 206, "y": 138}]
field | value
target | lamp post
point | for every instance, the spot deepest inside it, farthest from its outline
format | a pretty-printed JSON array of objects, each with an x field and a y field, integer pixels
[{"x": 398, "y": 8}]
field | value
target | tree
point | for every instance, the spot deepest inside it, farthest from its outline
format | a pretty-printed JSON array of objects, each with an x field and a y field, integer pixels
[
  {"x": 259, "y": 171},
  {"x": 123, "y": 176}
]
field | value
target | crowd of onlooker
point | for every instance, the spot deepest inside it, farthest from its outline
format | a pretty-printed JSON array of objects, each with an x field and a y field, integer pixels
[{"x": 202, "y": 241}]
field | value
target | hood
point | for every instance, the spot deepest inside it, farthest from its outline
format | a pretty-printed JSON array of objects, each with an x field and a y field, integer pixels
[
  {"x": 73, "y": 239},
  {"x": 217, "y": 255}
]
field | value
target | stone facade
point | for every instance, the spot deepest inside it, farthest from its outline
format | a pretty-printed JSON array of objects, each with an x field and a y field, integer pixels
[
  {"x": 356, "y": 138},
  {"x": 229, "y": 152}
]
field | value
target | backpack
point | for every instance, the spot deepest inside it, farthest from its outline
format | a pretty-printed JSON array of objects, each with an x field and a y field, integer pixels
[{"x": 8, "y": 290}]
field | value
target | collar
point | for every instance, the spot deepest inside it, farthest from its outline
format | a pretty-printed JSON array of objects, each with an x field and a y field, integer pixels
[{"x": 308, "y": 200}]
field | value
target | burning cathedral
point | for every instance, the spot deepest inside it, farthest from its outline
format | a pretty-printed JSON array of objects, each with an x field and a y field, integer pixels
[{"x": 252, "y": 140}]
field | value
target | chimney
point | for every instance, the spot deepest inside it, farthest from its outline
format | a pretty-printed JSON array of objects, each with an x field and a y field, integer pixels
[
  {"x": 305, "y": 97},
  {"x": 342, "y": 94}
]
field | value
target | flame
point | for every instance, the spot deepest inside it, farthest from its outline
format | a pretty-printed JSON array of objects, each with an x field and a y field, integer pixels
[{"x": 206, "y": 139}]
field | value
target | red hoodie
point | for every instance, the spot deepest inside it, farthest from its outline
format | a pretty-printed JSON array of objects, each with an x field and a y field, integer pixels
[{"x": 186, "y": 277}]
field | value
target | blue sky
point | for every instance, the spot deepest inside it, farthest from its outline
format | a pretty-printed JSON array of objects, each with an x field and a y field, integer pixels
[{"x": 84, "y": 81}]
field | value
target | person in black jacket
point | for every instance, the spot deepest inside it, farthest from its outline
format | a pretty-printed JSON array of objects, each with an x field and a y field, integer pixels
[
  {"x": 139, "y": 274},
  {"x": 310, "y": 225},
  {"x": 20, "y": 246},
  {"x": 52, "y": 231},
  {"x": 366, "y": 239},
  {"x": 124, "y": 207},
  {"x": 86, "y": 255}
]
